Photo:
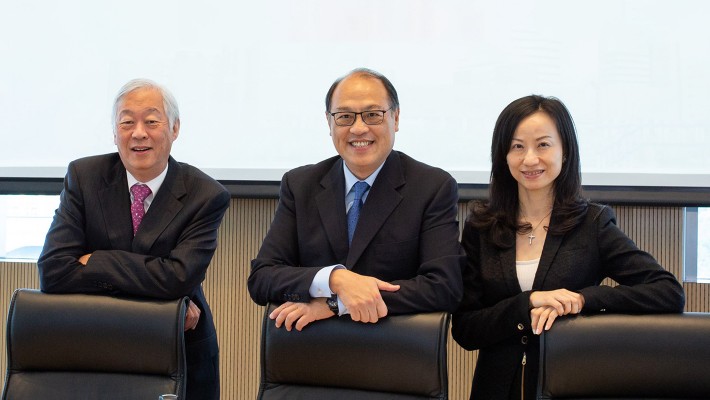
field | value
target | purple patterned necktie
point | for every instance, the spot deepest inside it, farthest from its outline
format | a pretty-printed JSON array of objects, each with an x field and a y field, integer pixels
[{"x": 140, "y": 192}]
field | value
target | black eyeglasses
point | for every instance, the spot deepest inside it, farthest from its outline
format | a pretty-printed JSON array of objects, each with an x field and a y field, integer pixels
[{"x": 370, "y": 117}]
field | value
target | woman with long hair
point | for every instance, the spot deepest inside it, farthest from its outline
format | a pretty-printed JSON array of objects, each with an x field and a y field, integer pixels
[{"x": 537, "y": 251}]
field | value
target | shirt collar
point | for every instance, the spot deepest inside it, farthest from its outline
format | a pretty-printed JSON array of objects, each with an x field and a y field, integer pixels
[
  {"x": 351, "y": 180},
  {"x": 154, "y": 184}
]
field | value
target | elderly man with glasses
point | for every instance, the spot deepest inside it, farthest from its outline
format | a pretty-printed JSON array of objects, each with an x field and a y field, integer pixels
[{"x": 367, "y": 233}]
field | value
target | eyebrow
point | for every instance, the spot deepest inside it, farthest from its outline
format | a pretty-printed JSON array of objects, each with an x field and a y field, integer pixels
[
  {"x": 537, "y": 140},
  {"x": 148, "y": 111},
  {"x": 368, "y": 108}
]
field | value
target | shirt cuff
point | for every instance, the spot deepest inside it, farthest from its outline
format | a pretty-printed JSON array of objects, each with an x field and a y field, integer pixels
[
  {"x": 320, "y": 287},
  {"x": 342, "y": 310}
]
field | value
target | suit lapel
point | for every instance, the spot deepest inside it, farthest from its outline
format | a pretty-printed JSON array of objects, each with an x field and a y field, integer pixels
[
  {"x": 381, "y": 201},
  {"x": 331, "y": 208},
  {"x": 507, "y": 264},
  {"x": 163, "y": 209},
  {"x": 549, "y": 251},
  {"x": 115, "y": 207}
]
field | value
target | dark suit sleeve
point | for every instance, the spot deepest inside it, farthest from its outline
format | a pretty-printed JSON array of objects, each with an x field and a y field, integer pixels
[
  {"x": 437, "y": 285},
  {"x": 178, "y": 274},
  {"x": 477, "y": 323},
  {"x": 175, "y": 272},
  {"x": 58, "y": 264},
  {"x": 276, "y": 274},
  {"x": 644, "y": 286}
]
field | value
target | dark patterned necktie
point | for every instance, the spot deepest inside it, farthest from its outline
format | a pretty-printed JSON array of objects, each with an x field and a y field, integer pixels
[
  {"x": 140, "y": 192},
  {"x": 354, "y": 213}
]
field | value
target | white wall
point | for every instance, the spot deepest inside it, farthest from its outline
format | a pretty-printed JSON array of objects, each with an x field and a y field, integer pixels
[{"x": 250, "y": 78}]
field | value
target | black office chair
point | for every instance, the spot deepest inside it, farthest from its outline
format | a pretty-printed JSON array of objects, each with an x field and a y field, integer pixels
[
  {"x": 399, "y": 357},
  {"x": 78, "y": 346},
  {"x": 626, "y": 357}
]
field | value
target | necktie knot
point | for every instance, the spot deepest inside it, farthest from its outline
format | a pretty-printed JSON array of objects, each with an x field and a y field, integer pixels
[
  {"x": 359, "y": 190},
  {"x": 140, "y": 193}
]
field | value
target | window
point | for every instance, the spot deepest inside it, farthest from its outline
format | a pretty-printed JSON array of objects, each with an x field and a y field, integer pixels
[
  {"x": 697, "y": 244},
  {"x": 704, "y": 244},
  {"x": 24, "y": 221}
]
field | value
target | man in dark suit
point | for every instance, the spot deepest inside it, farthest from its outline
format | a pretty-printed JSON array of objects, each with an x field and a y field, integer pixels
[
  {"x": 105, "y": 239},
  {"x": 338, "y": 246}
]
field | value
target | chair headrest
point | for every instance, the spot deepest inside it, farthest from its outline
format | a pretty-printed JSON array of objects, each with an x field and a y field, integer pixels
[
  {"x": 400, "y": 354},
  {"x": 62, "y": 332},
  {"x": 626, "y": 356}
]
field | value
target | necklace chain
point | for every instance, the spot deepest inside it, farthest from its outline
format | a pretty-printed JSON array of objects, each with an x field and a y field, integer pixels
[{"x": 531, "y": 235}]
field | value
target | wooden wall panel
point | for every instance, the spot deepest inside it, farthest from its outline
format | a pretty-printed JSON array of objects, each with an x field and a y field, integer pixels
[
  {"x": 655, "y": 229},
  {"x": 238, "y": 319},
  {"x": 697, "y": 297},
  {"x": 658, "y": 230}
]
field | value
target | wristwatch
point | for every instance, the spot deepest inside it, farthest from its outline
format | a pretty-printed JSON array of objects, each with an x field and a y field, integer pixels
[{"x": 332, "y": 303}]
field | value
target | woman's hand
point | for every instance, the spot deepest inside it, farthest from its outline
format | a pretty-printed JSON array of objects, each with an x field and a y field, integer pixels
[
  {"x": 542, "y": 318},
  {"x": 548, "y": 305},
  {"x": 562, "y": 300}
]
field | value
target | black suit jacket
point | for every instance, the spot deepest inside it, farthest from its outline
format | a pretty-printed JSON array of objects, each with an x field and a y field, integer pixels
[
  {"x": 407, "y": 234},
  {"x": 494, "y": 315},
  {"x": 169, "y": 255}
]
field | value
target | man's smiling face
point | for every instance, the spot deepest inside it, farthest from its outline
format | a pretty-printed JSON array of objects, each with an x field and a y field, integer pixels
[
  {"x": 363, "y": 147},
  {"x": 143, "y": 135}
]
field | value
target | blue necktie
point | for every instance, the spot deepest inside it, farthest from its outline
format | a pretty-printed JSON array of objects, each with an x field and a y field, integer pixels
[{"x": 359, "y": 189}]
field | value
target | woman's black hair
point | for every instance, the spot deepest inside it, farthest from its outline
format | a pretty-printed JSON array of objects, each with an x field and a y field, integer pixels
[{"x": 499, "y": 214}]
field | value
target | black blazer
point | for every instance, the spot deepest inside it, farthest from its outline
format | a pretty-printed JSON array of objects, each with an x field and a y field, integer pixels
[
  {"x": 407, "y": 234},
  {"x": 169, "y": 255},
  {"x": 494, "y": 315}
]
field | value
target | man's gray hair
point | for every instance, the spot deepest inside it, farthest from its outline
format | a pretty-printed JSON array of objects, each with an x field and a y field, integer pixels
[{"x": 169, "y": 103}]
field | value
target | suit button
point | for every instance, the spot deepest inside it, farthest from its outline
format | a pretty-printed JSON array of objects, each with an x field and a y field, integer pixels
[
  {"x": 521, "y": 327},
  {"x": 524, "y": 340}
]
